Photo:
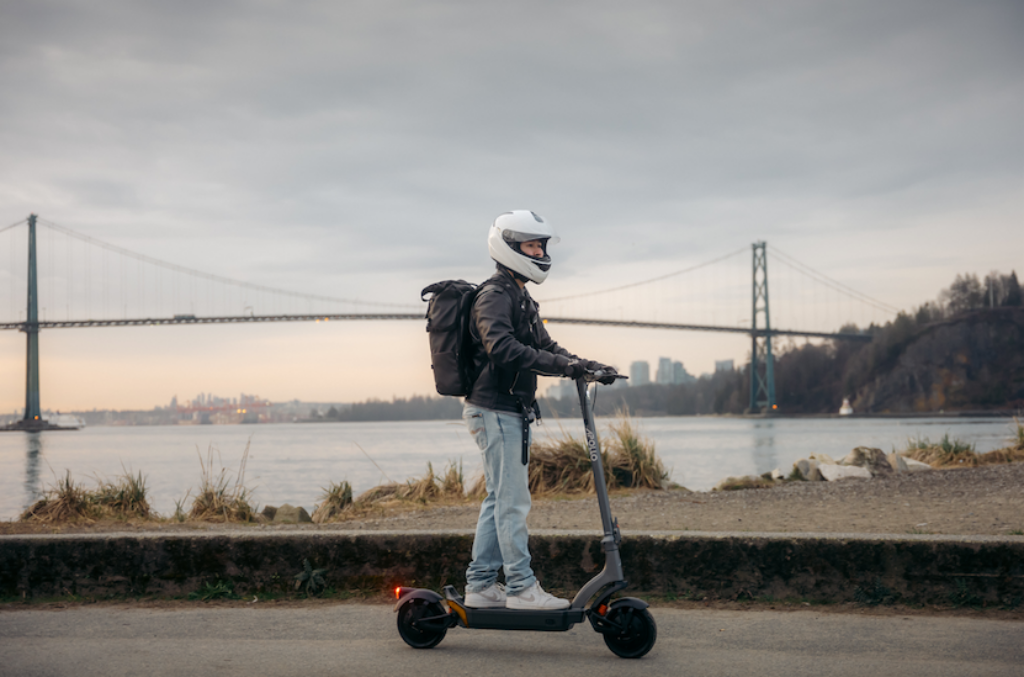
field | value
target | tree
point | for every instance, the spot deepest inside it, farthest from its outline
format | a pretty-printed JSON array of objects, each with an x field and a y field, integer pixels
[
  {"x": 1013, "y": 293},
  {"x": 966, "y": 293}
]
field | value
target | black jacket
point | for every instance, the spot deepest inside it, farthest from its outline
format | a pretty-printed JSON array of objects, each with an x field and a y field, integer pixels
[{"x": 510, "y": 346}]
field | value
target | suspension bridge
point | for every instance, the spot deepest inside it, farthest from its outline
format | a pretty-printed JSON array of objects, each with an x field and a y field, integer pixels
[{"x": 91, "y": 280}]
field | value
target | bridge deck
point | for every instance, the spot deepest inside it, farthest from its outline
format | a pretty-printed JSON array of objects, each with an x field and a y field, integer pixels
[{"x": 241, "y": 319}]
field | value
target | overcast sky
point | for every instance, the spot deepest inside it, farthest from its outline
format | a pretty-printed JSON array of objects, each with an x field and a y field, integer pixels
[{"x": 361, "y": 149}]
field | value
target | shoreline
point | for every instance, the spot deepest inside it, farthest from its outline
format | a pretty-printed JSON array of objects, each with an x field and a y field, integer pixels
[{"x": 971, "y": 413}]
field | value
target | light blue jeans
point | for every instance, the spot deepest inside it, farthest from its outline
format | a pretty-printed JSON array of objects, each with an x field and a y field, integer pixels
[{"x": 501, "y": 535}]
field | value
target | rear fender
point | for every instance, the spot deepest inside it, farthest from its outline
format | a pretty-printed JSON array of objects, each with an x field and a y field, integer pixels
[
  {"x": 407, "y": 594},
  {"x": 629, "y": 601},
  {"x": 601, "y": 622}
]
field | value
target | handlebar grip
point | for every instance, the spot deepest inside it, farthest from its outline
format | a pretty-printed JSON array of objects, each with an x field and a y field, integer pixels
[{"x": 592, "y": 376}]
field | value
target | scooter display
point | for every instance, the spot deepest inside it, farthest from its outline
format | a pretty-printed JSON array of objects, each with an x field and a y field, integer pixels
[{"x": 628, "y": 628}]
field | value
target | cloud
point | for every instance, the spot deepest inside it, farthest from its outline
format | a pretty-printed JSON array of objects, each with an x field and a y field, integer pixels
[{"x": 366, "y": 146}]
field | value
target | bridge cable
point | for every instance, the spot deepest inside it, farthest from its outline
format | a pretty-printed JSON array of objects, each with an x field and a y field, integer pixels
[
  {"x": 210, "y": 276},
  {"x": 653, "y": 279},
  {"x": 838, "y": 286},
  {"x": 13, "y": 225}
]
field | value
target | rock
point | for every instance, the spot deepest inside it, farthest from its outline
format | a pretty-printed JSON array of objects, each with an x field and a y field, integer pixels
[
  {"x": 808, "y": 469},
  {"x": 269, "y": 512},
  {"x": 872, "y": 459},
  {"x": 289, "y": 514},
  {"x": 835, "y": 472},
  {"x": 777, "y": 474},
  {"x": 822, "y": 457},
  {"x": 897, "y": 462},
  {"x": 915, "y": 466}
]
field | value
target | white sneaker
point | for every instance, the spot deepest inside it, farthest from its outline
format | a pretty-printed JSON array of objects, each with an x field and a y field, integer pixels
[
  {"x": 489, "y": 598},
  {"x": 534, "y": 597}
]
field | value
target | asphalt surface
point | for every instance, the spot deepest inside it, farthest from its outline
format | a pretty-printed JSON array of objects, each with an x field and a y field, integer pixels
[{"x": 361, "y": 640}]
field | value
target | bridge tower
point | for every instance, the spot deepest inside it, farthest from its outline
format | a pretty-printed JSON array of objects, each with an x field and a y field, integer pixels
[
  {"x": 762, "y": 363},
  {"x": 32, "y": 413}
]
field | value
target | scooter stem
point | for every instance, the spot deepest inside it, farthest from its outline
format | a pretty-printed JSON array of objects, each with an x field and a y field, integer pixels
[{"x": 607, "y": 523}]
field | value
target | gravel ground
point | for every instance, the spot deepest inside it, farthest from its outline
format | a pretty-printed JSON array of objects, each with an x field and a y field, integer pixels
[{"x": 971, "y": 501}]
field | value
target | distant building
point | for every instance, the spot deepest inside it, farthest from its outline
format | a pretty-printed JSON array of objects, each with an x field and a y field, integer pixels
[
  {"x": 563, "y": 389},
  {"x": 723, "y": 365},
  {"x": 680, "y": 375},
  {"x": 672, "y": 372},
  {"x": 639, "y": 373},
  {"x": 664, "y": 374}
]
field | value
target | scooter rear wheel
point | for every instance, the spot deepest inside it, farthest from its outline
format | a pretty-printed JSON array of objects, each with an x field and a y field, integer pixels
[
  {"x": 639, "y": 631},
  {"x": 416, "y": 635}
]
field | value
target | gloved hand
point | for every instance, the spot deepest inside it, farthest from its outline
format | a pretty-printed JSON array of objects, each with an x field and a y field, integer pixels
[
  {"x": 573, "y": 368},
  {"x": 594, "y": 366}
]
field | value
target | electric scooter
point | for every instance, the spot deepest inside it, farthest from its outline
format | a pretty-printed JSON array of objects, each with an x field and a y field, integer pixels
[{"x": 627, "y": 626}]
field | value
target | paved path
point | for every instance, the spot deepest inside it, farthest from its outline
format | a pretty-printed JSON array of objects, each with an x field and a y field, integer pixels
[{"x": 361, "y": 640}]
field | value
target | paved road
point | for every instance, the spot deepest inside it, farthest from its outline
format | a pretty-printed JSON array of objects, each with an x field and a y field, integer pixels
[{"x": 358, "y": 640}]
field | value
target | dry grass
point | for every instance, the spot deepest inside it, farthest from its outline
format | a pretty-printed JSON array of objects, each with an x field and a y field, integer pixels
[
  {"x": 124, "y": 498},
  {"x": 217, "y": 499},
  {"x": 946, "y": 453},
  {"x": 739, "y": 483},
  {"x": 634, "y": 462},
  {"x": 563, "y": 465},
  {"x": 64, "y": 502},
  {"x": 952, "y": 453},
  {"x": 448, "y": 488},
  {"x": 336, "y": 498},
  {"x": 67, "y": 502}
]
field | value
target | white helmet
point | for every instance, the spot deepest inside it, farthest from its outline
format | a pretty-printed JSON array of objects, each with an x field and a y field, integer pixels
[{"x": 509, "y": 231}]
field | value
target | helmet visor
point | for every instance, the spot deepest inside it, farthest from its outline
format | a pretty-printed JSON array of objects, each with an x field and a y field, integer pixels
[{"x": 519, "y": 236}]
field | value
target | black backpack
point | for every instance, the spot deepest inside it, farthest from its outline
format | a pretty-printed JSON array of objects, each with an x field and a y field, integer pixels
[{"x": 448, "y": 312}]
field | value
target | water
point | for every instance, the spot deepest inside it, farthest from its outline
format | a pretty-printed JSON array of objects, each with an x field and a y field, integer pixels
[{"x": 290, "y": 463}]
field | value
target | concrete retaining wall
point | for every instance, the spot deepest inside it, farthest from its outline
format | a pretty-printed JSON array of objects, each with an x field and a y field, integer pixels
[{"x": 910, "y": 569}]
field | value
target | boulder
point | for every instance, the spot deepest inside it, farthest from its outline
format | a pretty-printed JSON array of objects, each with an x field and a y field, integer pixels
[
  {"x": 290, "y": 514},
  {"x": 897, "y": 462},
  {"x": 822, "y": 457},
  {"x": 269, "y": 511},
  {"x": 867, "y": 457},
  {"x": 835, "y": 472},
  {"x": 915, "y": 466},
  {"x": 776, "y": 474},
  {"x": 808, "y": 469}
]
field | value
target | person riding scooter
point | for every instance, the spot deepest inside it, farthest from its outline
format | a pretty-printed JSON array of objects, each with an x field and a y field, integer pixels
[{"x": 510, "y": 347}]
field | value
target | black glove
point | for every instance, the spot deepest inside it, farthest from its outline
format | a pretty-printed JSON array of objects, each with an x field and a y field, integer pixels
[
  {"x": 608, "y": 378},
  {"x": 609, "y": 374},
  {"x": 574, "y": 369}
]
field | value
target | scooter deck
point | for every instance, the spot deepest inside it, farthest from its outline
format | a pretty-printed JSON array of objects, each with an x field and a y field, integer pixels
[
  {"x": 555, "y": 620},
  {"x": 558, "y": 620}
]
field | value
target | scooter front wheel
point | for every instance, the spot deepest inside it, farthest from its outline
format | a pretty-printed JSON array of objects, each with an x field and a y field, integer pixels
[
  {"x": 637, "y": 634},
  {"x": 417, "y": 624}
]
